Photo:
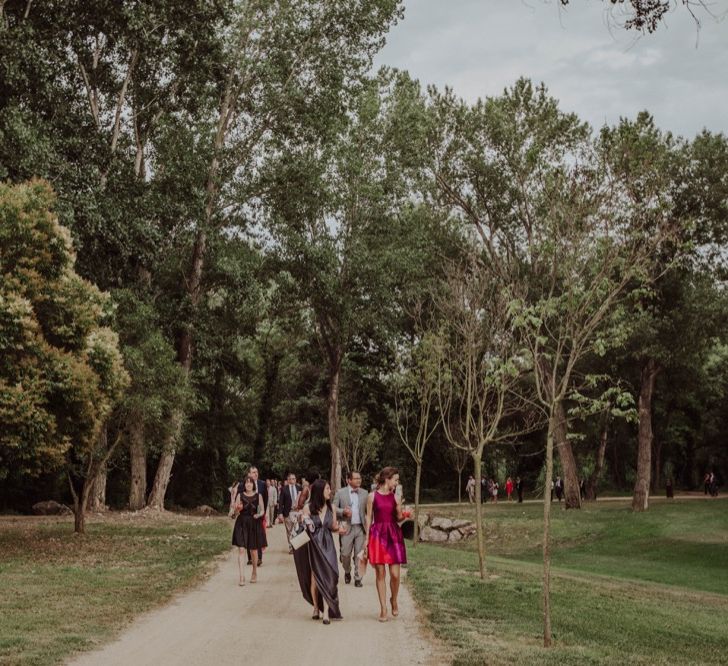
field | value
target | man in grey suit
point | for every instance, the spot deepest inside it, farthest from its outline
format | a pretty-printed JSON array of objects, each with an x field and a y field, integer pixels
[{"x": 350, "y": 504}]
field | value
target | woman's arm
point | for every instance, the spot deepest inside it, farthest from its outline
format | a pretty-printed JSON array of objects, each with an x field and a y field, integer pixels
[
  {"x": 334, "y": 521},
  {"x": 370, "y": 503},
  {"x": 400, "y": 517}
]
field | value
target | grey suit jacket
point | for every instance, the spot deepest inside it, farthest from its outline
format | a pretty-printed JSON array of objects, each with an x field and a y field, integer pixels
[{"x": 343, "y": 501}]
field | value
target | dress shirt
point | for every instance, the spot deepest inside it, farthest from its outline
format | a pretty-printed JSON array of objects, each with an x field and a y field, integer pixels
[{"x": 354, "y": 500}]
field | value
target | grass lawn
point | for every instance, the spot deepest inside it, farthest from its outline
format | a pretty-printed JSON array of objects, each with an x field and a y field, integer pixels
[
  {"x": 60, "y": 593},
  {"x": 647, "y": 588}
]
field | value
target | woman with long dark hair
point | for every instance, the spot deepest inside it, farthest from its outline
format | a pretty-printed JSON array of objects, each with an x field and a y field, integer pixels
[
  {"x": 248, "y": 532},
  {"x": 386, "y": 543},
  {"x": 316, "y": 563}
]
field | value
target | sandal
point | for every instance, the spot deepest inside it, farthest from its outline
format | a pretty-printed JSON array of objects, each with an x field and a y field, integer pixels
[{"x": 241, "y": 583}]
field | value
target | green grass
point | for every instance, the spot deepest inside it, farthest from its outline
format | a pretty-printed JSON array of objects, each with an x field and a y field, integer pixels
[
  {"x": 61, "y": 593},
  {"x": 646, "y": 588}
]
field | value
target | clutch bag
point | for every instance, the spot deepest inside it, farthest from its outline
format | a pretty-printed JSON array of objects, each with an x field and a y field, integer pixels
[{"x": 300, "y": 539}]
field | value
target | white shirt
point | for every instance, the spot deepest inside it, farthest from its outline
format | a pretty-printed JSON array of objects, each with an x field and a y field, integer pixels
[
  {"x": 354, "y": 499},
  {"x": 294, "y": 494}
]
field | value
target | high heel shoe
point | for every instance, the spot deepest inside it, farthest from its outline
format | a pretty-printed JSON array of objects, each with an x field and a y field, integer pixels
[{"x": 316, "y": 616}]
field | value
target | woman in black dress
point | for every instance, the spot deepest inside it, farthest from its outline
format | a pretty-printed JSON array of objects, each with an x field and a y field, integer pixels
[
  {"x": 248, "y": 532},
  {"x": 316, "y": 563}
]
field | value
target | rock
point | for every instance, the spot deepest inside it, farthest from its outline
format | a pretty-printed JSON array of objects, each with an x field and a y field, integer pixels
[
  {"x": 204, "y": 510},
  {"x": 468, "y": 530},
  {"x": 423, "y": 519},
  {"x": 430, "y": 534},
  {"x": 457, "y": 524},
  {"x": 455, "y": 535},
  {"x": 442, "y": 524},
  {"x": 51, "y": 508}
]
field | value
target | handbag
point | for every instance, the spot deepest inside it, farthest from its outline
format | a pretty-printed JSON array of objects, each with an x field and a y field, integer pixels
[{"x": 300, "y": 539}]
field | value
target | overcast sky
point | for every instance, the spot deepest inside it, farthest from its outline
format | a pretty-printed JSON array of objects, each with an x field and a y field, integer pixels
[{"x": 481, "y": 46}]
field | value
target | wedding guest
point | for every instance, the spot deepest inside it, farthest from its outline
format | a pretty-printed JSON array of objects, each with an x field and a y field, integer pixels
[
  {"x": 272, "y": 501},
  {"x": 262, "y": 490},
  {"x": 509, "y": 488},
  {"x": 288, "y": 500},
  {"x": 350, "y": 504},
  {"x": 519, "y": 489},
  {"x": 248, "y": 533},
  {"x": 559, "y": 489},
  {"x": 470, "y": 489},
  {"x": 386, "y": 543},
  {"x": 316, "y": 562}
]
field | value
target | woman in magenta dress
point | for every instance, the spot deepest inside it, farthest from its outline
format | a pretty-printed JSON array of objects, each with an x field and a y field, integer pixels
[{"x": 386, "y": 543}]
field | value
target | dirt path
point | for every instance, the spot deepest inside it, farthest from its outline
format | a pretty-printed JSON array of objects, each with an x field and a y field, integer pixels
[{"x": 220, "y": 623}]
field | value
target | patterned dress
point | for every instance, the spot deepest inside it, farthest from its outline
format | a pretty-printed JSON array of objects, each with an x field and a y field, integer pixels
[{"x": 386, "y": 543}]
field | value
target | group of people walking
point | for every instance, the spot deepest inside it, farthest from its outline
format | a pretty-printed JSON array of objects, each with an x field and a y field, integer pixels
[
  {"x": 367, "y": 524},
  {"x": 489, "y": 489}
]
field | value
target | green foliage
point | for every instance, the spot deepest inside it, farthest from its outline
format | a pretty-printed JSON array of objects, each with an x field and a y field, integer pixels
[{"x": 61, "y": 371}]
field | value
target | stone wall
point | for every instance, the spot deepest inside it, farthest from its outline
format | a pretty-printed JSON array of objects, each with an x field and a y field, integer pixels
[{"x": 439, "y": 530}]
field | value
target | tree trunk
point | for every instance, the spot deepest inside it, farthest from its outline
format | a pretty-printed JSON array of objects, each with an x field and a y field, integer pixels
[
  {"x": 97, "y": 495},
  {"x": 554, "y": 422},
  {"x": 79, "y": 519},
  {"x": 656, "y": 468},
  {"x": 641, "y": 497},
  {"x": 591, "y": 486},
  {"x": 477, "y": 464},
  {"x": 138, "y": 463},
  {"x": 418, "y": 476},
  {"x": 460, "y": 486},
  {"x": 96, "y": 501},
  {"x": 572, "y": 494},
  {"x": 333, "y": 417},
  {"x": 266, "y": 405},
  {"x": 80, "y": 500}
]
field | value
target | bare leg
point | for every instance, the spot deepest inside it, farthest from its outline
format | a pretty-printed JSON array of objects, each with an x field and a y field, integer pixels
[
  {"x": 326, "y": 613},
  {"x": 394, "y": 576},
  {"x": 314, "y": 596},
  {"x": 241, "y": 567},
  {"x": 382, "y": 591},
  {"x": 254, "y": 576}
]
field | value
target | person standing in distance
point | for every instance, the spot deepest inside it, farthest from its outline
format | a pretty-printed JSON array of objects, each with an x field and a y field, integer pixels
[
  {"x": 262, "y": 490},
  {"x": 470, "y": 489},
  {"x": 350, "y": 504},
  {"x": 272, "y": 501},
  {"x": 288, "y": 500}
]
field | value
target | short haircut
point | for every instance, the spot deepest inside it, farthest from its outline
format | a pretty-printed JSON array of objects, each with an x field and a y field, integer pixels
[{"x": 351, "y": 472}]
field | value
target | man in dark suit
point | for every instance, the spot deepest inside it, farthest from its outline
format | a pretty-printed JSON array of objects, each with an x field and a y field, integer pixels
[
  {"x": 263, "y": 492},
  {"x": 288, "y": 498}
]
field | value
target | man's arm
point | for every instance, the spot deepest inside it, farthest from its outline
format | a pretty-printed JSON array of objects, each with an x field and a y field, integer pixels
[{"x": 339, "y": 509}]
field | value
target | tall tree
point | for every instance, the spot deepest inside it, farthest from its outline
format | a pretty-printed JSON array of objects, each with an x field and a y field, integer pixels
[
  {"x": 61, "y": 373},
  {"x": 482, "y": 391},
  {"x": 349, "y": 233},
  {"x": 415, "y": 402}
]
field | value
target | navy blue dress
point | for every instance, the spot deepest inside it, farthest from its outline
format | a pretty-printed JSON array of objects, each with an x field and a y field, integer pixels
[{"x": 248, "y": 531}]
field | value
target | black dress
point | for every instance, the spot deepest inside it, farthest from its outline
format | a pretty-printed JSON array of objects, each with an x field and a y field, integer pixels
[
  {"x": 318, "y": 557},
  {"x": 248, "y": 531}
]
